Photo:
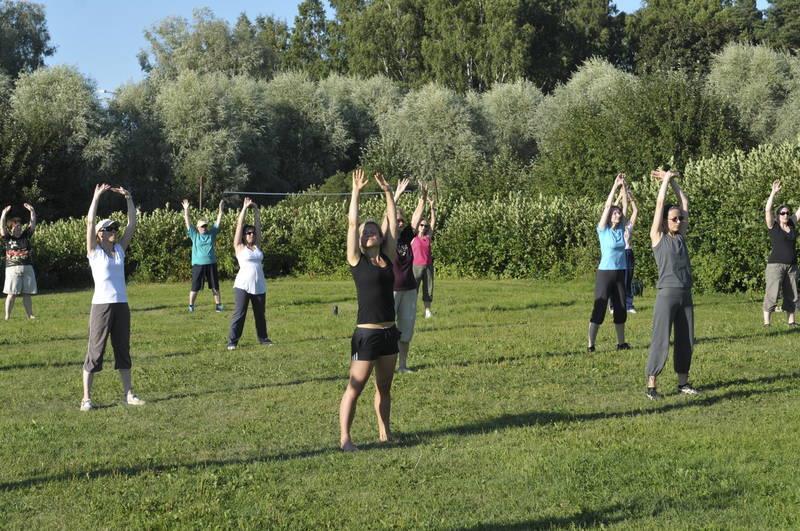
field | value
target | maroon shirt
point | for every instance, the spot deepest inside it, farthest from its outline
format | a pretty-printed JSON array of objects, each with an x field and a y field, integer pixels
[{"x": 404, "y": 265}]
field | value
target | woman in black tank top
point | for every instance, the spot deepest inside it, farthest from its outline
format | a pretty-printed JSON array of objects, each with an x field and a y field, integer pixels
[
  {"x": 781, "y": 273},
  {"x": 374, "y": 343}
]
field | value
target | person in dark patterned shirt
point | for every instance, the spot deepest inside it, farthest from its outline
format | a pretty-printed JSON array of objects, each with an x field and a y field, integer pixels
[{"x": 20, "y": 277}]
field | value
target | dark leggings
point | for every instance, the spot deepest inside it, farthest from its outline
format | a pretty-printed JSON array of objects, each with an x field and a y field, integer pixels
[
  {"x": 259, "y": 302},
  {"x": 609, "y": 284}
]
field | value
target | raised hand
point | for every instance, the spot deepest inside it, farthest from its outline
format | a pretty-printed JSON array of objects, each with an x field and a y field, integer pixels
[
  {"x": 121, "y": 191},
  {"x": 659, "y": 174},
  {"x": 776, "y": 186},
  {"x": 28, "y": 206},
  {"x": 402, "y": 184},
  {"x": 619, "y": 180},
  {"x": 381, "y": 180},
  {"x": 359, "y": 179},
  {"x": 101, "y": 188},
  {"x": 7, "y": 209},
  {"x": 247, "y": 203},
  {"x": 185, "y": 204},
  {"x": 221, "y": 204}
]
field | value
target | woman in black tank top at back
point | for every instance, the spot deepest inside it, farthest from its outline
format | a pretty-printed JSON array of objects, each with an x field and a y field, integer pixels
[
  {"x": 781, "y": 272},
  {"x": 374, "y": 343}
]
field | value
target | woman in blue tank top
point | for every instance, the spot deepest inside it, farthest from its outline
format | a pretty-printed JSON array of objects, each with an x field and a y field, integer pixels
[
  {"x": 610, "y": 278},
  {"x": 370, "y": 254}
]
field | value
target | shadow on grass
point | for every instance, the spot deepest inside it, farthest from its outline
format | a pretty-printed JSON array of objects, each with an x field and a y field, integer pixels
[
  {"x": 255, "y": 387},
  {"x": 585, "y": 517},
  {"x": 409, "y": 440},
  {"x": 531, "y": 306},
  {"x": 157, "y": 307},
  {"x": 318, "y": 300},
  {"x": 42, "y": 365},
  {"x": 765, "y": 333}
]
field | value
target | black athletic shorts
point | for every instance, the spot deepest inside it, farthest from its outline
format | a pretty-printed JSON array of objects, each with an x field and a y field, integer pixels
[
  {"x": 205, "y": 273},
  {"x": 369, "y": 344}
]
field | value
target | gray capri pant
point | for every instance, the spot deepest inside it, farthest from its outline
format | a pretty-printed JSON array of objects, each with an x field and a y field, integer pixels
[
  {"x": 781, "y": 278},
  {"x": 109, "y": 319},
  {"x": 673, "y": 308},
  {"x": 423, "y": 274}
]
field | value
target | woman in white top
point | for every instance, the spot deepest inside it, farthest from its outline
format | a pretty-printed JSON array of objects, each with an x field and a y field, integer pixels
[
  {"x": 110, "y": 314},
  {"x": 249, "y": 284}
]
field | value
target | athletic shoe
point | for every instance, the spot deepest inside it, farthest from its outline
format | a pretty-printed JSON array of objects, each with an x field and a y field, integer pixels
[
  {"x": 191, "y": 308},
  {"x": 687, "y": 389},
  {"x": 631, "y": 310},
  {"x": 404, "y": 370},
  {"x": 652, "y": 394},
  {"x": 132, "y": 400},
  {"x": 231, "y": 346},
  {"x": 428, "y": 314},
  {"x": 590, "y": 349},
  {"x": 623, "y": 346},
  {"x": 267, "y": 342},
  {"x": 218, "y": 308},
  {"x": 86, "y": 404}
]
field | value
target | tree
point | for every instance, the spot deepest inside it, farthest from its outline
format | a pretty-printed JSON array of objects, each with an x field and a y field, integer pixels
[
  {"x": 54, "y": 144},
  {"x": 509, "y": 110},
  {"x": 209, "y": 44},
  {"x": 24, "y": 38},
  {"x": 309, "y": 44},
  {"x": 783, "y": 24}
]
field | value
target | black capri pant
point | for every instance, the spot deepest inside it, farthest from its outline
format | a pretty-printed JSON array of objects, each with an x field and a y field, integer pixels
[{"x": 609, "y": 284}]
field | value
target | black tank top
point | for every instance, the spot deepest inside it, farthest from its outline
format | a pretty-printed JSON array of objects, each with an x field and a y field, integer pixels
[
  {"x": 374, "y": 288},
  {"x": 783, "y": 251}
]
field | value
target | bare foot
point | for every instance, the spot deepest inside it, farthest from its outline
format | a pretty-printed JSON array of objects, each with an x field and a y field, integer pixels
[
  {"x": 348, "y": 446},
  {"x": 385, "y": 437}
]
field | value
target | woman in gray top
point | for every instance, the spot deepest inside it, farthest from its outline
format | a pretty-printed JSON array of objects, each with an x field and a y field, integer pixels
[{"x": 673, "y": 307}]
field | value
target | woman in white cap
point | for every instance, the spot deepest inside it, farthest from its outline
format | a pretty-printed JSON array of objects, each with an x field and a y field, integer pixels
[{"x": 110, "y": 315}]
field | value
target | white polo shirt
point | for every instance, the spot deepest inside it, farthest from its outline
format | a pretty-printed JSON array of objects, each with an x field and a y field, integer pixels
[{"x": 108, "y": 273}]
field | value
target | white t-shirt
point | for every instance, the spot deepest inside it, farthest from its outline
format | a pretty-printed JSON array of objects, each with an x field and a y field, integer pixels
[
  {"x": 628, "y": 234},
  {"x": 250, "y": 277},
  {"x": 108, "y": 273}
]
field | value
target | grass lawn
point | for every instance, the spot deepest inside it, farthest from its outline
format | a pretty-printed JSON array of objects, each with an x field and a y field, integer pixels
[{"x": 507, "y": 423}]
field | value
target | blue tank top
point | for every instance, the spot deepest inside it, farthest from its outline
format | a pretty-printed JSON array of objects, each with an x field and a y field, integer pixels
[{"x": 612, "y": 248}]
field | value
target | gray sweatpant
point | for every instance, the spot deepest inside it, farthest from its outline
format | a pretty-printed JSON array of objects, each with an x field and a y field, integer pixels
[
  {"x": 781, "y": 278},
  {"x": 105, "y": 320},
  {"x": 673, "y": 308}
]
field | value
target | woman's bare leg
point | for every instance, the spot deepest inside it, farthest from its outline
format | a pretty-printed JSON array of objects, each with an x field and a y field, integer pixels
[
  {"x": 359, "y": 374},
  {"x": 384, "y": 373}
]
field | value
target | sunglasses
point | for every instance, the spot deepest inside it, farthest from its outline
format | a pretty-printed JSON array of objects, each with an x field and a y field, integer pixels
[
  {"x": 423, "y": 225},
  {"x": 784, "y": 213},
  {"x": 249, "y": 233},
  {"x": 109, "y": 229},
  {"x": 679, "y": 218}
]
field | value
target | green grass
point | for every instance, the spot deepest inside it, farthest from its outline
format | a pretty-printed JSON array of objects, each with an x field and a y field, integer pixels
[{"x": 507, "y": 423}]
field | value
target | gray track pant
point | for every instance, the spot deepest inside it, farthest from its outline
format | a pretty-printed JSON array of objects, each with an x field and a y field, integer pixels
[
  {"x": 674, "y": 307},
  {"x": 781, "y": 280}
]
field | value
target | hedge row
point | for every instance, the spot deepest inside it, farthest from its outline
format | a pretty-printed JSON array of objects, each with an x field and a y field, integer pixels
[{"x": 513, "y": 236}]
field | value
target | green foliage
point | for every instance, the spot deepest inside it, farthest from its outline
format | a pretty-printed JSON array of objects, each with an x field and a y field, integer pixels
[
  {"x": 643, "y": 123},
  {"x": 24, "y": 38},
  {"x": 757, "y": 81},
  {"x": 509, "y": 109}
]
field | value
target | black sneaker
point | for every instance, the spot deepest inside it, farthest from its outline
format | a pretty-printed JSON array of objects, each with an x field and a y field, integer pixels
[
  {"x": 623, "y": 346},
  {"x": 267, "y": 342},
  {"x": 687, "y": 389},
  {"x": 590, "y": 349},
  {"x": 652, "y": 394}
]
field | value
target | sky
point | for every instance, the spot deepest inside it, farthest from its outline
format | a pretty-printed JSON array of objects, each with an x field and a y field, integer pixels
[{"x": 102, "y": 37}]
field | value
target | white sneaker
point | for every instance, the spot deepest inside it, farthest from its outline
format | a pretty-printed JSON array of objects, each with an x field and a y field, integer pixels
[
  {"x": 428, "y": 314},
  {"x": 632, "y": 310},
  {"x": 132, "y": 400},
  {"x": 86, "y": 404}
]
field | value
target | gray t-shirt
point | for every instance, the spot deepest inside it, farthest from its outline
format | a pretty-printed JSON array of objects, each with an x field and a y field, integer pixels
[{"x": 672, "y": 259}]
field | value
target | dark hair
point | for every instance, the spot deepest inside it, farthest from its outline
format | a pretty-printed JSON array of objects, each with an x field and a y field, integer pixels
[
  {"x": 621, "y": 215},
  {"x": 245, "y": 229},
  {"x": 667, "y": 208}
]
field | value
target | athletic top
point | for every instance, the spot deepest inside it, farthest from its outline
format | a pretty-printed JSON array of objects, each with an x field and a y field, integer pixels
[
  {"x": 250, "y": 277},
  {"x": 612, "y": 248},
  {"x": 628, "y": 236},
  {"x": 403, "y": 267},
  {"x": 18, "y": 249},
  {"x": 783, "y": 249},
  {"x": 374, "y": 289},
  {"x": 672, "y": 260},
  {"x": 421, "y": 247},
  {"x": 203, "y": 252},
  {"x": 108, "y": 273}
]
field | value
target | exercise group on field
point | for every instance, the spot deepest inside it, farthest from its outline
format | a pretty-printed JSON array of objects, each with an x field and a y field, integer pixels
[{"x": 390, "y": 259}]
